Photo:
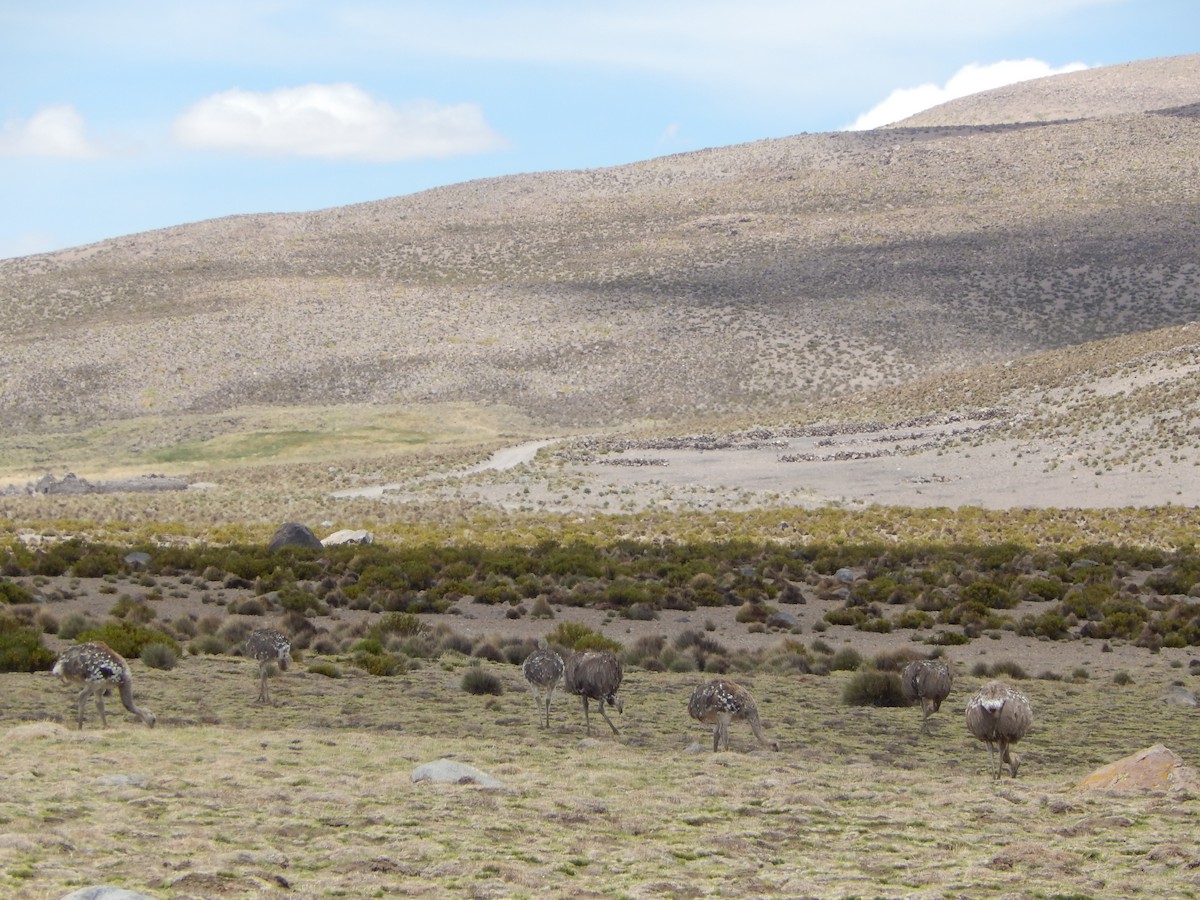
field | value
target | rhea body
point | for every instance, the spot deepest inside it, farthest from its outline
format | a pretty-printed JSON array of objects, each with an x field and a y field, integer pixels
[
  {"x": 268, "y": 646},
  {"x": 1000, "y": 716},
  {"x": 543, "y": 669},
  {"x": 98, "y": 669},
  {"x": 721, "y": 702},
  {"x": 595, "y": 675},
  {"x": 929, "y": 681}
]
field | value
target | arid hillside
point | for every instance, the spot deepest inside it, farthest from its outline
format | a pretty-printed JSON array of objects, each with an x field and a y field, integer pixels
[{"x": 742, "y": 280}]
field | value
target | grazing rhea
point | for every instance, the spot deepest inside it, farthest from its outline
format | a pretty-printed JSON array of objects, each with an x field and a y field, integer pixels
[
  {"x": 99, "y": 668},
  {"x": 595, "y": 675},
  {"x": 721, "y": 702},
  {"x": 927, "y": 680},
  {"x": 542, "y": 670},
  {"x": 267, "y": 646},
  {"x": 1000, "y": 716}
]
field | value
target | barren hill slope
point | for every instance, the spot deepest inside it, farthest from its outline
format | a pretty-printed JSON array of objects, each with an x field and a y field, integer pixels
[
  {"x": 730, "y": 281},
  {"x": 1136, "y": 87}
]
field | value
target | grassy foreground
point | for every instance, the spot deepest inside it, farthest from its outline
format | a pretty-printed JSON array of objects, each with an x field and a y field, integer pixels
[{"x": 313, "y": 797}]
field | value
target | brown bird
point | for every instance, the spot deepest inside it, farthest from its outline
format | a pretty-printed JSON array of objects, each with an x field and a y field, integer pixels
[
  {"x": 268, "y": 646},
  {"x": 99, "y": 668},
  {"x": 1000, "y": 716},
  {"x": 721, "y": 702},
  {"x": 595, "y": 675},
  {"x": 542, "y": 670},
  {"x": 927, "y": 680}
]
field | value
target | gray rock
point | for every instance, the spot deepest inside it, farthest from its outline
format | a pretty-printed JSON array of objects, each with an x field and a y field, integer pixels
[
  {"x": 781, "y": 619},
  {"x": 123, "y": 780},
  {"x": 446, "y": 771},
  {"x": 106, "y": 893},
  {"x": 1178, "y": 695},
  {"x": 293, "y": 534}
]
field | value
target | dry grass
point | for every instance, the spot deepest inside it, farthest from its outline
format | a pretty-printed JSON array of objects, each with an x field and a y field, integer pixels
[{"x": 226, "y": 799}]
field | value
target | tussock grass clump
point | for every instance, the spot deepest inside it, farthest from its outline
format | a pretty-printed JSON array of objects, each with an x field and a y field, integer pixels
[
  {"x": 846, "y": 659},
  {"x": 870, "y": 687},
  {"x": 209, "y": 645},
  {"x": 477, "y": 680},
  {"x": 325, "y": 668},
  {"x": 159, "y": 656}
]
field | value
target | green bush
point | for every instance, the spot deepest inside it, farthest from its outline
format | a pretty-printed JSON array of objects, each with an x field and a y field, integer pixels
[
  {"x": 127, "y": 638},
  {"x": 11, "y": 592},
  {"x": 328, "y": 669},
  {"x": 577, "y": 636},
  {"x": 870, "y": 687},
  {"x": 21, "y": 648}
]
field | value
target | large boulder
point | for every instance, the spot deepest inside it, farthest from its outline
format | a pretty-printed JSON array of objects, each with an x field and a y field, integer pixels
[
  {"x": 447, "y": 771},
  {"x": 1156, "y": 768},
  {"x": 293, "y": 534},
  {"x": 348, "y": 536}
]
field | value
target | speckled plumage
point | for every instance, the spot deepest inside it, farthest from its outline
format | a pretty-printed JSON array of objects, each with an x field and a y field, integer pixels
[
  {"x": 99, "y": 668},
  {"x": 1000, "y": 716},
  {"x": 543, "y": 668},
  {"x": 929, "y": 681},
  {"x": 268, "y": 646},
  {"x": 595, "y": 675},
  {"x": 720, "y": 702}
]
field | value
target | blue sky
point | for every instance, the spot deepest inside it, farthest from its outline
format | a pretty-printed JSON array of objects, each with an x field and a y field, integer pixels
[{"x": 120, "y": 116}]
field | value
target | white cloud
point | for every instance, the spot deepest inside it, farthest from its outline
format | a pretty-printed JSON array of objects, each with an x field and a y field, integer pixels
[
  {"x": 970, "y": 79},
  {"x": 334, "y": 121},
  {"x": 56, "y": 131}
]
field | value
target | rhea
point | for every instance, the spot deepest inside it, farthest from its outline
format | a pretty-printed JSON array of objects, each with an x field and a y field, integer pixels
[
  {"x": 721, "y": 702},
  {"x": 268, "y": 646},
  {"x": 1000, "y": 716},
  {"x": 543, "y": 668},
  {"x": 99, "y": 669},
  {"x": 927, "y": 680},
  {"x": 595, "y": 675}
]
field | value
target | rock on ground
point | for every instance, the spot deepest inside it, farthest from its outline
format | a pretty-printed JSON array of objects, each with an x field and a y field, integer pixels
[
  {"x": 445, "y": 771},
  {"x": 1156, "y": 768}
]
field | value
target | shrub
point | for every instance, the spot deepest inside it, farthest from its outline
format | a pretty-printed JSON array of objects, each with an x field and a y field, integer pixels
[
  {"x": 477, "y": 680},
  {"x": 328, "y": 669},
  {"x": 870, "y": 687},
  {"x": 1009, "y": 668},
  {"x": 11, "y": 592},
  {"x": 127, "y": 638},
  {"x": 948, "y": 639},
  {"x": 577, "y": 636},
  {"x": 208, "y": 644},
  {"x": 845, "y": 660},
  {"x": 1122, "y": 678},
  {"x": 21, "y": 648},
  {"x": 159, "y": 656},
  {"x": 541, "y": 609}
]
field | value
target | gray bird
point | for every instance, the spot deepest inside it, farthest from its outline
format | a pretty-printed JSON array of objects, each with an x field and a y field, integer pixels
[
  {"x": 542, "y": 670},
  {"x": 595, "y": 675},
  {"x": 1000, "y": 716},
  {"x": 927, "y": 680},
  {"x": 720, "y": 702},
  {"x": 99, "y": 668},
  {"x": 268, "y": 646}
]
